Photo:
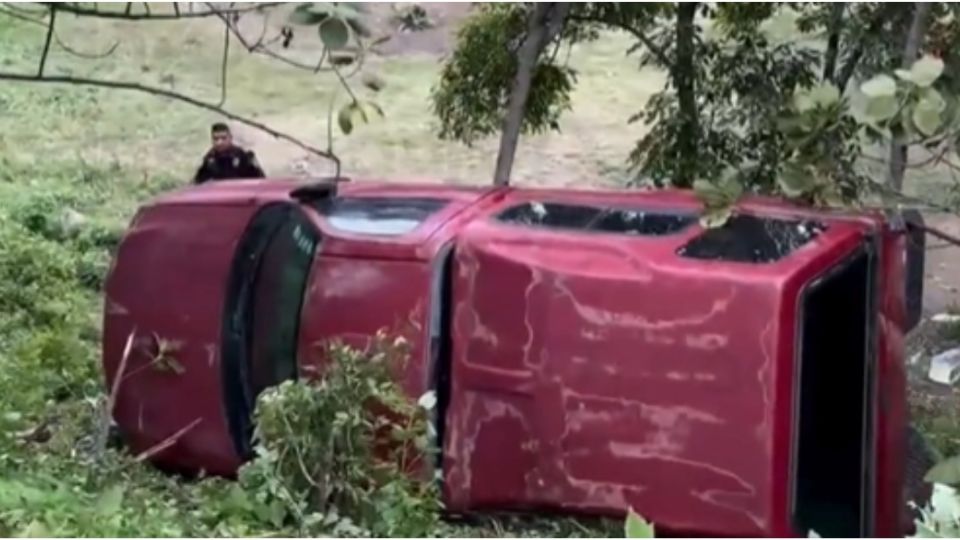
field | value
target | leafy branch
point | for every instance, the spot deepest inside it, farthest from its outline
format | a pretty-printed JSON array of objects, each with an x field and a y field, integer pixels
[{"x": 122, "y": 85}]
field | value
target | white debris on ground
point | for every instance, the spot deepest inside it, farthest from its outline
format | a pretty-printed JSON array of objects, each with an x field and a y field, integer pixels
[{"x": 945, "y": 367}]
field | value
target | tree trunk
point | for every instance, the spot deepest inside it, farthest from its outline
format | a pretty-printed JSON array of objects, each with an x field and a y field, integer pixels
[
  {"x": 543, "y": 24},
  {"x": 684, "y": 80},
  {"x": 897, "y": 159},
  {"x": 833, "y": 42}
]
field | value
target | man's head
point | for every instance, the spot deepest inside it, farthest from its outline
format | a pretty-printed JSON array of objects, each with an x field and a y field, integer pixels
[{"x": 221, "y": 136}]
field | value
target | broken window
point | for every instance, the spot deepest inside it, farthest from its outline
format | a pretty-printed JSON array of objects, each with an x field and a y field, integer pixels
[
  {"x": 594, "y": 218},
  {"x": 378, "y": 216},
  {"x": 752, "y": 239}
]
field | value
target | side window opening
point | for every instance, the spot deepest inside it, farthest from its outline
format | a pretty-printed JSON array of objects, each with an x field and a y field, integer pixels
[
  {"x": 378, "y": 216},
  {"x": 752, "y": 239},
  {"x": 631, "y": 221}
]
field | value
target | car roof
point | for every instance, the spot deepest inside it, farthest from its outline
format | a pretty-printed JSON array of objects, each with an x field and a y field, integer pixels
[{"x": 467, "y": 203}]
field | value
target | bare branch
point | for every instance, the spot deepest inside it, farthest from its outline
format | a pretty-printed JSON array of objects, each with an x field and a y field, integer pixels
[
  {"x": 257, "y": 47},
  {"x": 122, "y": 85},
  {"x": 107, "y": 412},
  {"x": 640, "y": 36},
  {"x": 937, "y": 233},
  {"x": 90, "y": 56},
  {"x": 223, "y": 66},
  {"x": 166, "y": 443},
  {"x": 46, "y": 43},
  {"x": 19, "y": 15},
  {"x": 343, "y": 82},
  {"x": 127, "y": 14}
]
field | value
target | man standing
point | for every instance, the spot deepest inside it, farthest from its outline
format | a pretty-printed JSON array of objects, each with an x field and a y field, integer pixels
[{"x": 225, "y": 160}]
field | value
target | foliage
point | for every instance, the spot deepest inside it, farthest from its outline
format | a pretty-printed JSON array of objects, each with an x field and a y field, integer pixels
[
  {"x": 824, "y": 132},
  {"x": 343, "y": 33},
  {"x": 636, "y": 527},
  {"x": 471, "y": 97},
  {"x": 771, "y": 108},
  {"x": 337, "y": 456}
]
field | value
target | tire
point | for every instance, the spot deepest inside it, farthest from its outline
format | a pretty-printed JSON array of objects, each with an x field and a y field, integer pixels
[{"x": 920, "y": 458}]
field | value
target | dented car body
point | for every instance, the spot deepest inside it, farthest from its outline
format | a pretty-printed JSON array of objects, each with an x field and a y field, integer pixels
[{"x": 590, "y": 350}]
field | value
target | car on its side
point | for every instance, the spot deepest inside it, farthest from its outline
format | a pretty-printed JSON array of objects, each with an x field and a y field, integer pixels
[{"x": 590, "y": 350}]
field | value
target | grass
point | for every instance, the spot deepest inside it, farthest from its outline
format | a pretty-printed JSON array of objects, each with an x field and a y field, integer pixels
[
  {"x": 147, "y": 133},
  {"x": 100, "y": 153}
]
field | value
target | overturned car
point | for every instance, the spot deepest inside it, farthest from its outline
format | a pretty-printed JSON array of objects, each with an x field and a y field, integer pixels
[{"x": 591, "y": 350}]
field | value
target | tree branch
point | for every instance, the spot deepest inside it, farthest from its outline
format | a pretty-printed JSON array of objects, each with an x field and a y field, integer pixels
[
  {"x": 898, "y": 148},
  {"x": 16, "y": 14},
  {"x": 544, "y": 22},
  {"x": 876, "y": 23},
  {"x": 46, "y": 43},
  {"x": 833, "y": 42},
  {"x": 946, "y": 237},
  {"x": 258, "y": 46},
  {"x": 89, "y": 56},
  {"x": 121, "y": 85},
  {"x": 641, "y": 37},
  {"x": 223, "y": 66},
  {"x": 80, "y": 11}
]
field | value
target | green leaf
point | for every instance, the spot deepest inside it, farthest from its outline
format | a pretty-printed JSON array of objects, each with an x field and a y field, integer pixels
[
  {"x": 945, "y": 472},
  {"x": 796, "y": 180},
  {"x": 110, "y": 501},
  {"x": 345, "y": 118},
  {"x": 927, "y": 112},
  {"x": 824, "y": 94},
  {"x": 926, "y": 70},
  {"x": 376, "y": 108},
  {"x": 714, "y": 218},
  {"x": 879, "y": 86},
  {"x": 359, "y": 112},
  {"x": 334, "y": 33},
  {"x": 709, "y": 193},
  {"x": 305, "y": 14},
  {"x": 880, "y": 108},
  {"x": 802, "y": 101},
  {"x": 36, "y": 529},
  {"x": 637, "y": 527}
]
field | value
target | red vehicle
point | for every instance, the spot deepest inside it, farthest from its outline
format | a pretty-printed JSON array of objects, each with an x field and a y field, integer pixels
[{"x": 591, "y": 350}]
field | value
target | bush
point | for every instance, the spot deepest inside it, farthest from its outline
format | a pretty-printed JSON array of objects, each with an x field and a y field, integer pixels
[{"x": 336, "y": 456}]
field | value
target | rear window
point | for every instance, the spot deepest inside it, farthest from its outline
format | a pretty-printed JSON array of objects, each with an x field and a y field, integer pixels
[
  {"x": 630, "y": 221},
  {"x": 752, "y": 239},
  {"x": 378, "y": 216}
]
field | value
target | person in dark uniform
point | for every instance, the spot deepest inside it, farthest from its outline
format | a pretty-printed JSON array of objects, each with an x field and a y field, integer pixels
[{"x": 225, "y": 160}]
